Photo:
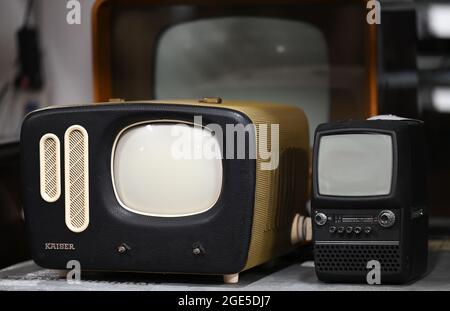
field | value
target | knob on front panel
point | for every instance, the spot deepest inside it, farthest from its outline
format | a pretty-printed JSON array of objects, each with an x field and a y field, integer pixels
[
  {"x": 320, "y": 219},
  {"x": 386, "y": 219}
]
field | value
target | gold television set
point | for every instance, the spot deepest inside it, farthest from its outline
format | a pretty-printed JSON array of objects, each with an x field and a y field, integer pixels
[{"x": 198, "y": 187}]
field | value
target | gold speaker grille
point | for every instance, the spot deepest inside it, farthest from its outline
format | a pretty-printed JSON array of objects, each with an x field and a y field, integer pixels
[
  {"x": 288, "y": 193},
  {"x": 50, "y": 167},
  {"x": 76, "y": 178}
]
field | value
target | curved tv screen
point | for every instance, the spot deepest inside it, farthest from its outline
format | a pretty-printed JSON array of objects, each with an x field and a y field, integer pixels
[
  {"x": 355, "y": 165},
  {"x": 158, "y": 171}
]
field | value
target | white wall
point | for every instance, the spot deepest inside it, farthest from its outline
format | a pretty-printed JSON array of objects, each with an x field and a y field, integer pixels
[
  {"x": 67, "y": 51},
  {"x": 12, "y": 14},
  {"x": 11, "y": 17},
  {"x": 67, "y": 59}
]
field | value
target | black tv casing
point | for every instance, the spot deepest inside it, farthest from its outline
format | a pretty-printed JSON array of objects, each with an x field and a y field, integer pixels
[
  {"x": 343, "y": 257},
  {"x": 155, "y": 244}
]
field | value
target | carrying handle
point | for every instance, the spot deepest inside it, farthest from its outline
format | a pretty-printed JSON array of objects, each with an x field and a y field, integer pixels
[{"x": 301, "y": 231}]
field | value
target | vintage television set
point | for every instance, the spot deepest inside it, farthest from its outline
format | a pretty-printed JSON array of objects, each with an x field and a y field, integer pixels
[
  {"x": 369, "y": 200},
  {"x": 102, "y": 184},
  {"x": 239, "y": 50}
]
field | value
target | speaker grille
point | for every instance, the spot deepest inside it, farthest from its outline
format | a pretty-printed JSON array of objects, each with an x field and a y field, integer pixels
[
  {"x": 50, "y": 167},
  {"x": 288, "y": 194},
  {"x": 333, "y": 258},
  {"x": 76, "y": 178}
]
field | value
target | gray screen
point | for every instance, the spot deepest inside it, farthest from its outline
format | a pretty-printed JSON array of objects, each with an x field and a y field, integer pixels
[
  {"x": 355, "y": 165},
  {"x": 246, "y": 58}
]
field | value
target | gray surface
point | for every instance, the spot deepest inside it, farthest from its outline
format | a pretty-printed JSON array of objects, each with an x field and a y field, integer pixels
[{"x": 287, "y": 276}]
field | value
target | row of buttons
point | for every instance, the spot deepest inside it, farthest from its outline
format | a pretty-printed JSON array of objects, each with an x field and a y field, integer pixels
[{"x": 350, "y": 230}]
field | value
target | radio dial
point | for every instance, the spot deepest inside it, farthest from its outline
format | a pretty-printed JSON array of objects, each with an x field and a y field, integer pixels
[
  {"x": 320, "y": 219},
  {"x": 386, "y": 219}
]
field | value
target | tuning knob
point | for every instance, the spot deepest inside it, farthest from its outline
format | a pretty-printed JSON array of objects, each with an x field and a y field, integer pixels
[
  {"x": 386, "y": 219},
  {"x": 320, "y": 219}
]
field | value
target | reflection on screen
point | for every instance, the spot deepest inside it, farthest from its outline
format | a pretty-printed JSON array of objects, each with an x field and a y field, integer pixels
[
  {"x": 246, "y": 58},
  {"x": 150, "y": 180},
  {"x": 355, "y": 165}
]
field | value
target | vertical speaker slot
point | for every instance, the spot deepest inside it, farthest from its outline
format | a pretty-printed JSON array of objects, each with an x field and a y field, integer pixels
[
  {"x": 50, "y": 167},
  {"x": 76, "y": 172}
]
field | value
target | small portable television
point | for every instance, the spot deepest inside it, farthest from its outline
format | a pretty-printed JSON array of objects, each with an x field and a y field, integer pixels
[
  {"x": 112, "y": 185},
  {"x": 369, "y": 200}
]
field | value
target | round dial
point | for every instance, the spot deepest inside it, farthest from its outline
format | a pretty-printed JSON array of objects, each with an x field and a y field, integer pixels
[{"x": 386, "y": 219}]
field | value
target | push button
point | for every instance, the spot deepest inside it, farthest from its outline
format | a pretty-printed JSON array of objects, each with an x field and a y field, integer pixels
[
  {"x": 332, "y": 229},
  {"x": 367, "y": 230},
  {"x": 357, "y": 230},
  {"x": 349, "y": 230},
  {"x": 341, "y": 230}
]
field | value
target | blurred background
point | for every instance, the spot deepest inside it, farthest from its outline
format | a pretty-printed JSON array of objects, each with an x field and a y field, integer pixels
[{"x": 322, "y": 56}]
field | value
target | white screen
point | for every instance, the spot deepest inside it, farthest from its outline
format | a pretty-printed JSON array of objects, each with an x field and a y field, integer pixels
[
  {"x": 355, "y": 165},
  {"x": 150, "y": 179}
]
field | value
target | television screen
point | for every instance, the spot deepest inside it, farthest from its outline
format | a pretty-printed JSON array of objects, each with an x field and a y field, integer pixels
[
  {"x": 246, "y": 58},
  {"x": 317, "y": 55},
  {"x": 162, "y": 169},
  {"x": 355, "y": 165}
]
